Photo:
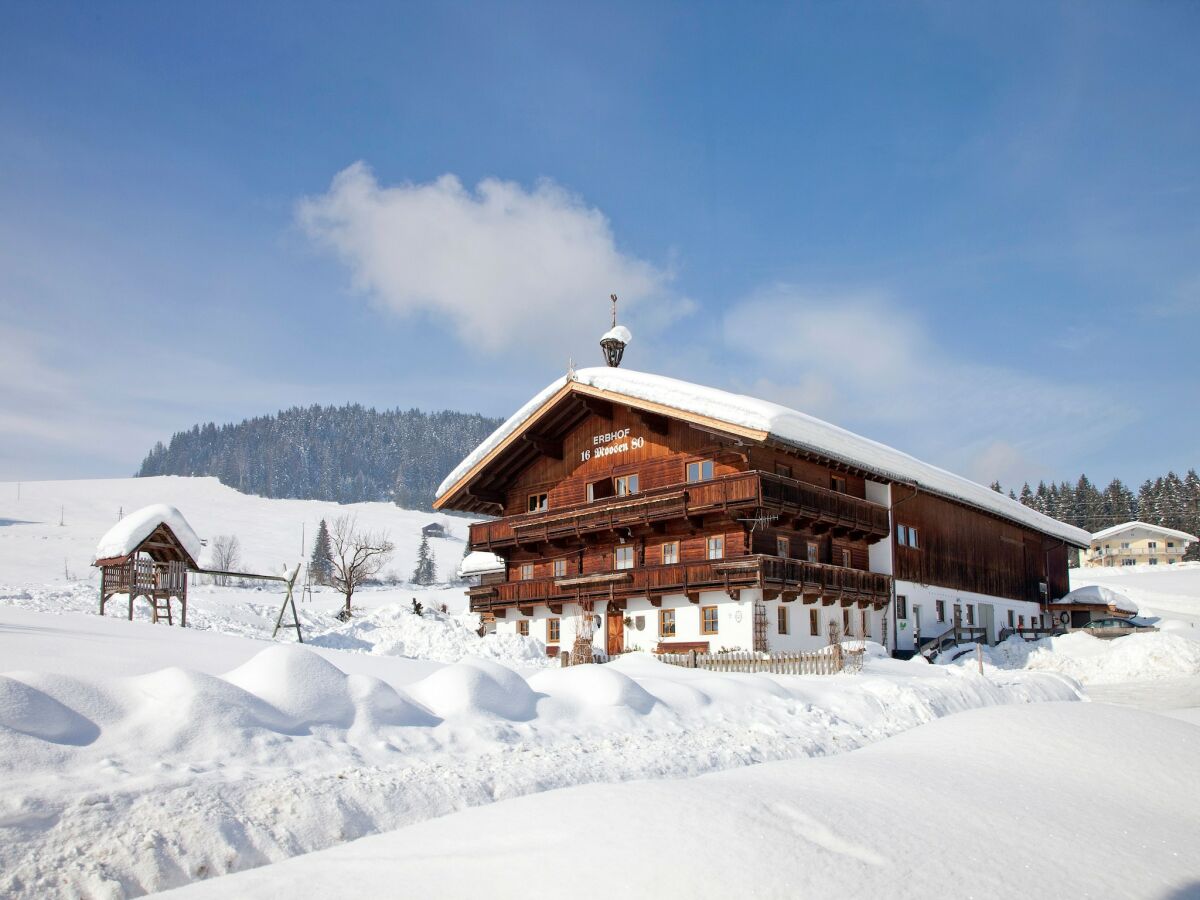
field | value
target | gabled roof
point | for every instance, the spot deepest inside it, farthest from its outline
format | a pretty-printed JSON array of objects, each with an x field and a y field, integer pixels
[
  {"x": 1129, "y": 526},
  {"x": 749, "y": 418},
  {"x": 128, "y": 535}
]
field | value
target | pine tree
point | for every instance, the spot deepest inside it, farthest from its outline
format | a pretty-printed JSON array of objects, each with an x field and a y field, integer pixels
[
  {"x": 320, "y": 565},
  {"x": 1027, "y": 496},
  {"x": 426, "y": 571},
  {"x": 995, "y": 486}
]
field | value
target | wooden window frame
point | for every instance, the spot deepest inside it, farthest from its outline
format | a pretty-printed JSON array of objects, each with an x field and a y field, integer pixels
[
  {"x": 699, "y": 467},
  {"x": 783, "y": 547},
  {"x": 617, "y": 552},
  {"x": 553, "y": 630},
  {"x": 783, "y": 471},
  {"x": 665, "y": 617},
  {"x": 837, "y": 483},
  {"x": 538, "y": 501},
  {"x": 847, "y": 622},
  {"x": 847, "y": 559},
  {"x": 716, "y": 620},
  {"x": 523, "y": 627},
  {"x": 624, "y": 481},
  {"x": 781, "y": 619},
  {"x": 902, "y": 606},
  {"x": 708, "y": 546},
  {"x": 940, "y": 610},
  {"x": 674, "y": 545},
  {"x": 866, "y": 624},
  {"x": 814, "y": 551},
  {"x": 560, "y": 568},
  {"x": 971, "y": 614},
  {"x": 814, "y": 622},
  {"x": 526, "y": 572}
]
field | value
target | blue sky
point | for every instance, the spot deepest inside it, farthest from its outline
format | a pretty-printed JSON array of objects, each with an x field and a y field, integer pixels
[{"x": 973, "y": 233}]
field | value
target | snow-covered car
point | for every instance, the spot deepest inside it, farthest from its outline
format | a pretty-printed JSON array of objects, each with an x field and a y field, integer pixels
[{"x": 1115, "y": 627}]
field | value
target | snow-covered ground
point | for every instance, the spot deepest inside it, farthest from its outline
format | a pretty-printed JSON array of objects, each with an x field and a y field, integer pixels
[
  {"x": 968, "y": 806},
  {"x": 138, "y": 757},
  {"x": 1170, "y": 593}
]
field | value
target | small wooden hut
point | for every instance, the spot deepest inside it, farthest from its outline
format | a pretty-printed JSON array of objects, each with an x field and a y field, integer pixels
[{"x": 149, "y": 553}]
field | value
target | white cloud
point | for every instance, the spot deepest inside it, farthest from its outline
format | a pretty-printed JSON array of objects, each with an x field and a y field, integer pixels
[
  {"x": 498, "y": 263},
  {"x": 862, "y": 360}
]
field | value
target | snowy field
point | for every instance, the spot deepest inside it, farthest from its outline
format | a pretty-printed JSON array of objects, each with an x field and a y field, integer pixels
[{"x": 138, "y": 757}]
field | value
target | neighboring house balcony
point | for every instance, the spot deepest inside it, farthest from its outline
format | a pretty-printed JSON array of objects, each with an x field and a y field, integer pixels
[
  {"x": 804, "y": 505},
  {"x": 1102, "y": 553},
  {"x": 789, "y": 579}
]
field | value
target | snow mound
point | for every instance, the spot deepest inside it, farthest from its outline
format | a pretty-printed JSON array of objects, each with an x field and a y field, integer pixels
[
  {"x": 1101, "y": 595},
  {"x": 299, "y": 683},
  {"x": 1091, "y": 660},
  {"x": 395, "y": 630},
  {"x": 480, "y": 562},
  {"x": 594, "y": 686},
  {"x": 476, "y": 687},
  {"x": 29, "y": 711},
  {"x": 122, "y": 538}
]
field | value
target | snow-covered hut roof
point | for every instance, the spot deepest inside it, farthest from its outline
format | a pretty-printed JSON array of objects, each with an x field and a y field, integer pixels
[
  {"x": 763, "y": 420},
  {"x": 125, "y": 537},
  {"x": 480, "y": 562},
  {"x": 1129, "y": 526},
  {"x": 1098, "y": 595}
]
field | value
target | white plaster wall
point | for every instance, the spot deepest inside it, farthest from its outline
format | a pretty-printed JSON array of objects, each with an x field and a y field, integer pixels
[
  {"x": 735, "y": 620},
  {"x": 925, "y": 598},
  {"x": 879, "y": 554}
]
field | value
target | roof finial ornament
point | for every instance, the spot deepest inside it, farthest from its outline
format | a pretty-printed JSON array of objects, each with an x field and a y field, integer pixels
[
  {"x": 615, "y": 339},
  {"x": 570, "y": 368}
]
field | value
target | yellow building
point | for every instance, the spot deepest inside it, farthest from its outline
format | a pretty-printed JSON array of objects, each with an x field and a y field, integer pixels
[{"x": 1137, "y": 543}]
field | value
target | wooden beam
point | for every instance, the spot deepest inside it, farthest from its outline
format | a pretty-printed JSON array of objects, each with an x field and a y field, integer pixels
[
  {"x": 735, "y": 594},
  {"x": 769, "y": 595},
  {"x": 597, "y": 407},
  {"x": 526, "y": 610},
  {"x": 655, "y": 599},
  {"x": 788, "y": 596},
  {"x": 544, "y": 445},
  {"x": 828, "y": 599},
  {"x": 658, "y": 424},
  {"x": 556, "y": 608},
  {"x": 494, "y": 498},
  {"x": 693, "y": 596}
]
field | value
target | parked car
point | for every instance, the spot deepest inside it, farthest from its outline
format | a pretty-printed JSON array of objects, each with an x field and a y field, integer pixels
[{"x": 1115, "y": 627}]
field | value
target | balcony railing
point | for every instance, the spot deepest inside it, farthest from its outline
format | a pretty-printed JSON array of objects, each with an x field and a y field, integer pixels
[
  {"x": 769, "y": 572},
  {"x": 807, "y": 503},
  {"x": 1136, "y": 551}
]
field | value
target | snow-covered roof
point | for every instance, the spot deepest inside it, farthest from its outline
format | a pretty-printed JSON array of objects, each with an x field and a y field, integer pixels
[
  {"x": 124, "y": 537},
  {"x": 480, "y": 562},
  {"x": 1157, "y": 529},
  {"x": 1099, "y": 595},
  {"x": 789, "y": 426}
]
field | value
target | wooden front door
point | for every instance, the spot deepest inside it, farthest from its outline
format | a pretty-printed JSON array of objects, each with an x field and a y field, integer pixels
[{"x": 616, "y": 633}]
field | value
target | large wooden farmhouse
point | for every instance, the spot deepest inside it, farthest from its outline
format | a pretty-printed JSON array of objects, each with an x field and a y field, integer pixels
[{"x": 666, "y": 515}]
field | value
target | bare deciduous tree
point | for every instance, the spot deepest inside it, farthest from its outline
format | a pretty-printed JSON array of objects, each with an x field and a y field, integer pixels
[
  {"x": 226, "y": 554},
  {"x": 354, "y": 557}
]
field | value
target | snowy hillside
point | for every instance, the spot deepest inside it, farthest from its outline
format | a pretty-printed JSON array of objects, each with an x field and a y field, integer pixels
[{"x": 35, "y": 548}]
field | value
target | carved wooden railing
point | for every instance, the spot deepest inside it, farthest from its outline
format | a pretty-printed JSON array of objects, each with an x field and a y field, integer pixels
[
  {"x": 740, "y": 490},
  {"x": 770, "y": 572}
]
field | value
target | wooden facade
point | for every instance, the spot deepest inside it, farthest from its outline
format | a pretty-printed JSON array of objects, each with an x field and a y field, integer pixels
[
  {"x": 574, "y": 526},
  {"x": 601, "y": 498},
  {"x": 968, "y": 550}
]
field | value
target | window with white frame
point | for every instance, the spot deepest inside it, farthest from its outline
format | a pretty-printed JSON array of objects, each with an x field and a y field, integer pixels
[{"x": 716, "y": 546}]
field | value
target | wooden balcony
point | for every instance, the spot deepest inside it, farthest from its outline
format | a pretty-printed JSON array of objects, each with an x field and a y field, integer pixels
[
  {"x": 789, "y": 578},
  {"x": 793, "y": 502}
]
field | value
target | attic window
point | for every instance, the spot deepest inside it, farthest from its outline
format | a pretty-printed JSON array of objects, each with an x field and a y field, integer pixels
[
  {"x": 538, "y": 503},
  {"x": 700, "y": 471}
]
